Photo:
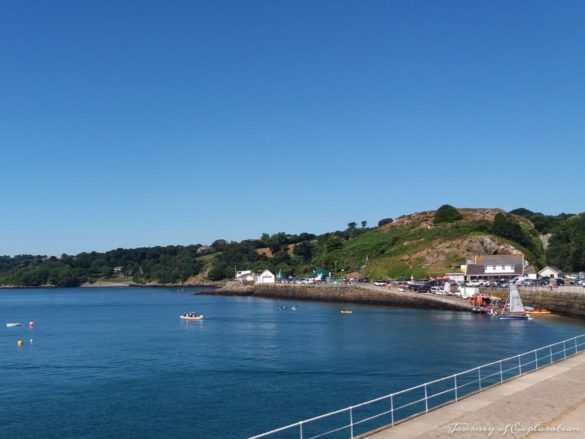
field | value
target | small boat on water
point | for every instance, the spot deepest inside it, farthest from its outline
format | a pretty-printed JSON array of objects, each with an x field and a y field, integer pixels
[
  {"x": 514, "y": 306},
  {"x": 191, "y": 316},
  {"x": 293, "y": 308},
  {"x": 537, "y": 311},
  {"x": 13, "y": 325},
  {"x": 346, "y": 311}
]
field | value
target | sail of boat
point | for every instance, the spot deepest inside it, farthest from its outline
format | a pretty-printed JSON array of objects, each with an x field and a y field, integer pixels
[
  {"x": 515, "y": 306},
  {"x": 515, "y": 301}
]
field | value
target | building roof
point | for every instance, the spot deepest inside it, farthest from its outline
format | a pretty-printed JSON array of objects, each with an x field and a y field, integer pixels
[
  {"x": 479, "y": 270},
  {"x": 556, "y": 270},
  {"x": 499, "y": 259}
]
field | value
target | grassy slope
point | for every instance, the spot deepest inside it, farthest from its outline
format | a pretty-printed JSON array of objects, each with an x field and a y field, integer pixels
[{"x": 390, "y": 252}]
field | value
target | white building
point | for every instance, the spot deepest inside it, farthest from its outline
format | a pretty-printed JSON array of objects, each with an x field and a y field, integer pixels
[
  {"x": 265, "y": 277},
  {"x": 550, "y": 272},
  {"x": 495, "y": 267},
  {"x": 245, "y": 276}
]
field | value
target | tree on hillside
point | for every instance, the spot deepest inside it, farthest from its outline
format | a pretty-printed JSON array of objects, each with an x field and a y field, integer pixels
[
  {"x": 351, "y": 225},
  {"x": 305, "y": 250},
  {"x": 566, "y": 248},
  {"x": 447, "y": 214},
  {"x": 543, "y": 223},
  {"x": 507, "y": 227},
  {"x": 333, "y": 243},
  {"x": 364, "y": 224},
  {"x": 385, "y": 221},
  {"x": 219, "y": 244},
  {"x": 522, "y": 212}
]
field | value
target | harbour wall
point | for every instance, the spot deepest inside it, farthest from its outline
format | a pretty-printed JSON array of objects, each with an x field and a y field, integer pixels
[
  {"x": 366, "y": 294},
  {"x": 567, "y": 301}
]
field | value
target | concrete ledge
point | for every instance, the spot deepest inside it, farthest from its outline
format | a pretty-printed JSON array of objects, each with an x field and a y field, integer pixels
[{"x": 553, "y": 398}]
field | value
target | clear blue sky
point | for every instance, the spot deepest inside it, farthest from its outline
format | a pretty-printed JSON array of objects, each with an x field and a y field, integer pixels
[{"x": 141, "y": 123}]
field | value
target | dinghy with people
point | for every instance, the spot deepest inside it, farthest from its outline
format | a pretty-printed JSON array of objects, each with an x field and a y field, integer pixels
[{"x": 191, "y": 316}]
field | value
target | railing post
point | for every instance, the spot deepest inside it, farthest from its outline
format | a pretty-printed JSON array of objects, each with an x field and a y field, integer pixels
[
  {"x": 550, "y": 350},
  {"x": 576, "y": 350},
  {"x": 479, "y": 377},
  {"x": 392, "y": 409},
  {"x": 351, "y": 421},
  {"x": 501, "y": 373},
  {"x": 301, "y": 429},
  {"x": 455, "y": 378},
  {"x": 426, "y": 399},
  {"x": 564, "y": 350},
  {"x": 520, "y": 364}
]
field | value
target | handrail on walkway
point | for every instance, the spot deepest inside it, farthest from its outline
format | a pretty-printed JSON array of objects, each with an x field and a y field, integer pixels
[{"x": 450, "y": 389}]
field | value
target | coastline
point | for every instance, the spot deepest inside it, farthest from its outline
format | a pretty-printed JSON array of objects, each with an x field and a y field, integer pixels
[{"x": 564, "y": 304}]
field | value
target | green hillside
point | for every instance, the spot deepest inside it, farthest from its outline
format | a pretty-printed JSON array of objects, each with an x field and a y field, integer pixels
[{"x": 420, "y": 244}]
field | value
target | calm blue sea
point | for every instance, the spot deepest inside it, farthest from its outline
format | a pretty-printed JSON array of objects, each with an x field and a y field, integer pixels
[{"x": 119, "y": 363}]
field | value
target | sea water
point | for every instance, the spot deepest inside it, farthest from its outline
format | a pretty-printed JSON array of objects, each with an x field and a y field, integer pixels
[{"x": 119, "y": 363}]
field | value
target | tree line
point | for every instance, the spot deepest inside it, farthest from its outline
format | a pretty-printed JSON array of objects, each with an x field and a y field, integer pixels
[{"x": 292, "y": 254}]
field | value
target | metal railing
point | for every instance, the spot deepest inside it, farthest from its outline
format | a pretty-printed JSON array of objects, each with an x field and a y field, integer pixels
[{"x": 396, "y": 407}]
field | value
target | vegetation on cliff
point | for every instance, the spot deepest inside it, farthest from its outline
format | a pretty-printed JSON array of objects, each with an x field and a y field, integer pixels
[{"x": 421, "y": 244}]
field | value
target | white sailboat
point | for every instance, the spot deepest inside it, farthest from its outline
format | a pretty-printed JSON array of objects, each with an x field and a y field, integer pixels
[{"x": 515, "y": 306}]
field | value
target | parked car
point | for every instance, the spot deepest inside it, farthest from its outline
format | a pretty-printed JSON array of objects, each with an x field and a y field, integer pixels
[{"x": 420, "y": 287}]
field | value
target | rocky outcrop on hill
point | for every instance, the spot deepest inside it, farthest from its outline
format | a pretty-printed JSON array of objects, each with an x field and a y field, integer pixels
[
  {"x": 452, "y": 253},
  {"x": 425, "y": 219}
]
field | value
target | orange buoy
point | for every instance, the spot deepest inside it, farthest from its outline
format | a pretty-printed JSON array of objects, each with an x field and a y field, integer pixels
[{"x": 19, "y": 342}]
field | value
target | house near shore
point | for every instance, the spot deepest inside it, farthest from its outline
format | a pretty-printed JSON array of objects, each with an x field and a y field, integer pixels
[
  {"x": 265, "y": 277},
  {"x": 489, "y": 267},
  {"x": 245, "y": 276},
  {"x": 550, "y": 272}
]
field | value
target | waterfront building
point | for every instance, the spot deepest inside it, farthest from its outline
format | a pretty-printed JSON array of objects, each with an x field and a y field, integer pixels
[
  {"x": 550, "y": 272},
  {"x": 245, "y": 276},
  {"x": 489, "y": 267},
  {"x": 265, "y": 277}
]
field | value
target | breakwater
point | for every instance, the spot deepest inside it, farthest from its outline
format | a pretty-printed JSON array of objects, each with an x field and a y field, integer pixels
[{"x": 366, "y": 294}]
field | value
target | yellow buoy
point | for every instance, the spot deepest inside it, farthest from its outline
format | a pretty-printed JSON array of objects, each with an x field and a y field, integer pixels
[{"x": 19, "y": 342}]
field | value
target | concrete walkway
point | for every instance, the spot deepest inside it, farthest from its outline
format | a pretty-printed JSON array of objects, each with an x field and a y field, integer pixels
[{"x": 553, "y": 398}]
